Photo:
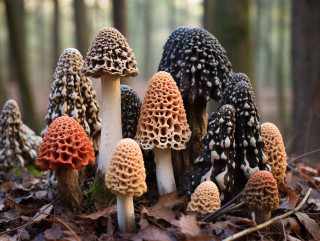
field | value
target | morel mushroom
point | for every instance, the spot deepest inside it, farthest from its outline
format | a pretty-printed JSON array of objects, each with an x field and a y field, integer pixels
[
  {"x": 205, "y": 199},
  {"x": 261, "y": 195},
  {"x": 16, "y": 148},
  {"x": 72, "y": 95},
  {"x": 163, "y": 126},
  {"x": 130, "y": 111},
  {"x": 199, "y": 65},
  {"x": 66, "y": 149},
  {"x": 217, "y": 163},
  {"x": 126, "y": 177},
  {"x": 109, "y": 58},
  {"x": 275, "y": 151}
]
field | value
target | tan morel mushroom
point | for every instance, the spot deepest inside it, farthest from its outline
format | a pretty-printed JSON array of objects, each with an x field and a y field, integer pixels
[
  {"x": 126, "y": 177},
  {"x": 205, "y": 199},
  {"x": 17, "y": 147},
  {"x": 163, "y": 126},
  {"x": 261, "y": 195},
  {"x": 274, "y": 150},
  {"x": 109, "y": 58}
]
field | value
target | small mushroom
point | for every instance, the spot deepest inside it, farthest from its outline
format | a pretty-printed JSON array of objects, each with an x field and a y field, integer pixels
[
  {"x": 163, "y": 126},
  {"x": 72, "y": 95},
  {"x": 126, "y": 177},
  {"x": 275, "y": 151},
  {"x": 205, "y": 199},
  {"x": 109, "y": 58},
  {"x": 261, "y": 195},
  {"x": 17, "y": 147},
  {"x": 66, "y": 149},
  {"x": 199, "y": 65},
  {"x": 130, "y": 111},
  {"x": 249, "y": 143}
]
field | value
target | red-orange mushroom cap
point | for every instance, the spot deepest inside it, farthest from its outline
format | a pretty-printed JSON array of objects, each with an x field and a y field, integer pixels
[{"x": 65, "y": 145}]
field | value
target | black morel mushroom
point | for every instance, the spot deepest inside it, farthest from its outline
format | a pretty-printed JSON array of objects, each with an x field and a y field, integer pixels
[
  {"x": 130, "y": 111},
  {"x": 15, "y": 150},
  {"x": 199, "y": 65},
  {"x": 72, "y": 95}
]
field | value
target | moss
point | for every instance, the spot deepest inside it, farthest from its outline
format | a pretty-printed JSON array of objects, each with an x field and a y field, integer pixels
[
  {"x": 100, "y": 193},
  {"x": 32, "y": 169}
]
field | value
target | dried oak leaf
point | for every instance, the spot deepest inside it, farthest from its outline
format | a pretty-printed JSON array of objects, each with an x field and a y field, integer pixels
[
  {"x": 310, "y": 224},
  {"x": 102, "y": 213},
  {"x": 53, "y": 233}
]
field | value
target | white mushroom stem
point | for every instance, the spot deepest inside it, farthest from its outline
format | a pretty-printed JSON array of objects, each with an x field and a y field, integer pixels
[
  {"x": 111, "y": 131},
  {"x": 125, "y": 211},
  {"x": 164, "y": 171}
]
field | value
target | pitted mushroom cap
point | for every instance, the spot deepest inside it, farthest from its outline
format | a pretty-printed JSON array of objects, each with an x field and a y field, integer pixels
[
  {"x": 65, "y": 145},
  {"x": 110, "y": 53},
  {"x": 126, "y": 174},
  {"x": 200, "y": 67},
  {"x": 274, "y": 150},
  {"x": 261, "y": 192},
  {"x": 163, "y": 122},
  {"x": 205, "y": 199},
  {"x": 130, "y": 111}
]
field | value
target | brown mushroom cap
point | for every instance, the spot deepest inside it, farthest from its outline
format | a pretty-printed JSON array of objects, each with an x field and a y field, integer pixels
[
  {"x": 110, "y": 53},
  {"x": 261, "y": 192},
  {"x": 205, "y": 199},
  {"x": 65, "y": 145},
  {"x": 274, "y": 150},
  {"x": 126, "y": 174},
  {"x": 163, "y": 122}
]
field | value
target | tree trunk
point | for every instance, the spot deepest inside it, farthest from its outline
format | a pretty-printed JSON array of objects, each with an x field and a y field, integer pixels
[
  {"x": 208, "y": 7},
  {"x": 306, "y": 76},
  {"x": 56, "y": 34},
  {"x": 147, "y": 38},
  {"x": 16, "y": 28},
  {"x": 81, "y": 26},
  {"x": 120, "y": 16},
  {"x": 171, "y": 15},
  {"x": 3, "y": 87}
]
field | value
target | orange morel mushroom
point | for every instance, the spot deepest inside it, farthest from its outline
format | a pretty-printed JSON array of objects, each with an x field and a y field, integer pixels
[
  {"x": 126, "y": 177},
  {"x": 205, "y": 199},
  {"x": 66, "y": 149},
  {"x": 274, "y": 150},
  {"x": 261, "y": 195}
]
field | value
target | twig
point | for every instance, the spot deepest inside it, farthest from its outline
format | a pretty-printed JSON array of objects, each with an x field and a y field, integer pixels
[
  {"x": 68, "y": 227},
  {"x": 303, "y": 155},
  {"x": 265, "y": 224},
  {"x": 30, "y": 220},
  {"x": 214, "y": 214}
]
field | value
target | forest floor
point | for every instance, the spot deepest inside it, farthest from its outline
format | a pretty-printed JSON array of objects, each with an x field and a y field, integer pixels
[{"x": 26, "y": 213}]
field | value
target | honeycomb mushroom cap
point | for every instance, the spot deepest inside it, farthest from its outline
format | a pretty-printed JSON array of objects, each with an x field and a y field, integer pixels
[
  {"x": 130, "y": 111},
  {"x": 274, "y": 150},
  {"x": 163, "y": 122},
  {"x": 65, "y": 145},
  {"x": 110, "y": 53},
  {"x": 197, "y": 62},
  {"x": 72, "y": 94},
  {"x": 261, "y": 192},
  {"x": 16, "y": 150},
  {"x": 205, "y": 199},
  {"x": 126, "y": 174}
]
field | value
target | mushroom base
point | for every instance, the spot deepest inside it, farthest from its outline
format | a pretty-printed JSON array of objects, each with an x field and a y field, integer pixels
[
  {"x": 69, "y": 189},
  {"x": 183, "y": 160},
  {"x": 125, "y": 211},
  {"x": 262, "y": 216}
]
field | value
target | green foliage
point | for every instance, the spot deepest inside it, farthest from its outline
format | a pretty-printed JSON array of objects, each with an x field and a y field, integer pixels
[{"x": 100, "y": 193}]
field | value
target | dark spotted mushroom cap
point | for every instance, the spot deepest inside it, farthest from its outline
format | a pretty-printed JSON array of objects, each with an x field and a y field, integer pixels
[
  {"x": 197, "y": 62},
  {"x": 15, "y": 150},
  {"x": 72, "y": 94},
  {"x": 217, "y": 162},
  {"x": 130, "y": 111},
  {"x": 163, "y": 122},
  {"x": 110, "y": 53}
]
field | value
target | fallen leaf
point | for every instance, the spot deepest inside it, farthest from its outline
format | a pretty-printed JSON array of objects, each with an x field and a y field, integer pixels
[
  {"x": 189, "y": 226},
  {"x": 14, "y": 205},
  {"x": 53, "y": 233},
  {"x": 310, "y": 225},
  {"x": 151, "y": 234},
  {"x": 43, "y": 212},
  {"x": 291, "y": 238},
  {"x": 8, "y": 216},
  {"x": 103, "y": 213},
  {"x": 6, "y": 237},
  {"x": 292, "y": 198},
  {"x": 315, "y": 202},
  {"x": 23, "y": 234}
]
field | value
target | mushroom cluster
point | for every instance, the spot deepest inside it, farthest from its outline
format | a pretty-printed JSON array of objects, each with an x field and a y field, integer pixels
[
  {"x": 275, "y": 151},
  {"x": 18, "y": 143},
  {"x": 201, "y": 69},
  {"x": 130, "y": 111},
  {"x": 72, "y": 95},
  {"x": 234, "y": 146}
]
